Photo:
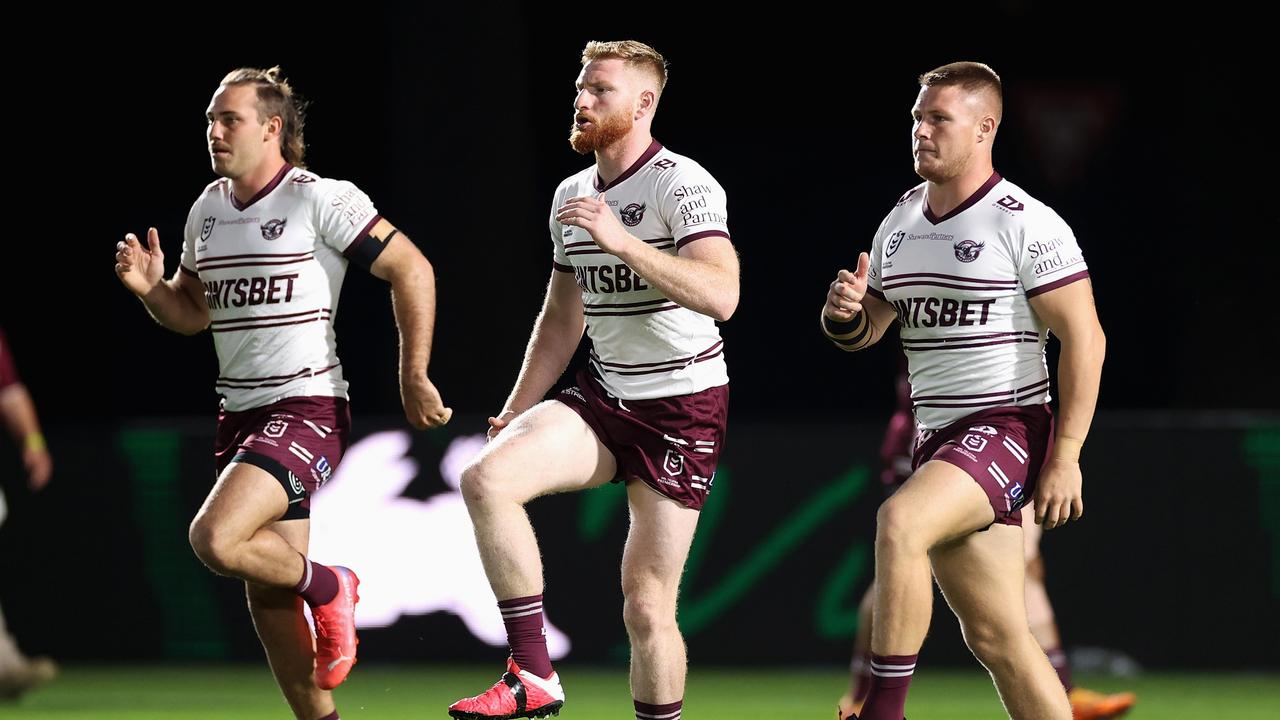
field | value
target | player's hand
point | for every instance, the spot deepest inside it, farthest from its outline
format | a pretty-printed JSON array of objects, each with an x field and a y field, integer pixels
[
  {"x": 139, "y": 268},
  {"x": 423, "y": 406},
  {"x": 844, "y": 297},
  {"x": 1058, "y": 493},
  {"x": 594, "y": 216},
  {"x": 39, "y": 464},
  {"x": 496, "y": 424}
]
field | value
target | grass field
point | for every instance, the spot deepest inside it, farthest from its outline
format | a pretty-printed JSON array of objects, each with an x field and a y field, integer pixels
[{"x": 394, "y": 692}]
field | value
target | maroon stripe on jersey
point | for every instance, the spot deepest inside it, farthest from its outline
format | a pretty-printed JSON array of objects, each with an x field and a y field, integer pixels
[
  {"x": 219, "y": 258},
  {"x": 238, "y": 328},
  {"x": 595, "y": 251},
  {"x": 933, "y": 283},
  {"x": 967, "y": 337},
  {"x": 652, "y": 364},
  {"x": 184, "y": 269},
  {"x": 561, "y": 268},
  {"x": 223, "y": 266},
  {"x": 654, "y": 148},
  {"x": 655, "y": 371},
  {"x": 876, "y": 293},
  {"x": 1058, "y": 283},
  {"x": 968, "y": 203},
  {"x": 360, "y": 238},
  {"x": 985, "y": 403},
  {"x": 659, "y": 301},
  {"x": 699, "y": 235},
  {"x": 240, "y": 384},
  {"x": 1041, "y": 385},
  {"x": 261, "y": 193},
  {"x": 257, "y": 318},
  {"x": 286, "y": 378},
  {"x": 895, "y": 278},
  {"x": 659, "y": 241},
  {"x": 646, "y": 311},
  {"x": 970, "y": 345},
  {"x": 580, "y": 244}
]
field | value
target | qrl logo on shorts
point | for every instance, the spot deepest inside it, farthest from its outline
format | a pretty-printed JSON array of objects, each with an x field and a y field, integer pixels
[
  {"x": 296, "y": 484},
  {"x": 275, "y": 428},
  {"x": 673, "y": 463}
]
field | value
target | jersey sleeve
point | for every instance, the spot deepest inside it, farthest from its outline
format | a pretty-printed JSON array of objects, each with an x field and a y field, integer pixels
[
  {"x": 191, "y": 233},
  {"x": 559, "y": 260},
  {"x": 694, "y": 205},
  {"x": 1050, "y": 257},
  {"x": 343, "y": 215},
  {"x": 875, "y": 281}
]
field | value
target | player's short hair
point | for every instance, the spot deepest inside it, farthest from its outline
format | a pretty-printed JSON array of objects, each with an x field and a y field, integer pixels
[
  {"x": 972, "y": 77},
  {"x": 634, "y": 53},
  {"x": 276, "y": 98}
]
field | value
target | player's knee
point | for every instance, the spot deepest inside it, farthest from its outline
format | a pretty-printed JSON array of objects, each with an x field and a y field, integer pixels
[
  {"x": 895, "y": 528},
  {"x": 647, "y": 613},
  {"x": 477, "y": 483},
  {"x": 214, "y": 548},
  {"x": 994, "y": 647}
]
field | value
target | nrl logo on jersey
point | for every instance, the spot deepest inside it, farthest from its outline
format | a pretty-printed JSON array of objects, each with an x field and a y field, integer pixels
[
  {"x": 273, "y": 229},
  {"x": 967, "y": 250},
  {"x": 632, "y": 214},
  {"x": 1009, "y": 202},
  {"x": 895, "y": 242},
  {"x": 207, "y": 228}
]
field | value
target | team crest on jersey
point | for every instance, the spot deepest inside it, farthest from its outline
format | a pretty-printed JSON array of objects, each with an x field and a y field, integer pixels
[
  {"x": 207, "y": 228},
  {"x": 895, "y": 242},
  {"x": 673, "y": 463},
  {"x": 967, "y": 250},
  {"x": 273, "y": 229},
  {"x": 632, "y": 214}
]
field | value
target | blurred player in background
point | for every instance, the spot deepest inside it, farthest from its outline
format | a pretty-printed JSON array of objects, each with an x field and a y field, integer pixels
[{"x": 19, "y": 673}]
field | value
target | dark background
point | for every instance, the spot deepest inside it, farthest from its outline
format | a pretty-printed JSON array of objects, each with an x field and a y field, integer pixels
[{"x": 1154, "y": 145}]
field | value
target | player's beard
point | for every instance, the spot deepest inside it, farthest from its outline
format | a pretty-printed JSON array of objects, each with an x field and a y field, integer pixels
[
  {"x": 602, "y": 133},
  {"x": 940, "y": 171}
]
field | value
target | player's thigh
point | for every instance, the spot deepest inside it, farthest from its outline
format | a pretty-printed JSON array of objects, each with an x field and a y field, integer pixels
[
  {"x": 658, "y": 542},
  {"x": 938, "y": 503},
  {"x": 1031, "y": 534},
  {"x": 982, "y": 578},
  {"x": 547, "y": 449},
  {"x": 243, "y": 500}
]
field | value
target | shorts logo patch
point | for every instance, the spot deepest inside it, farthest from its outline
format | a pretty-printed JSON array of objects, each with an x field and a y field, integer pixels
[
  {"x": 975, "y": 443},
  {"x": 295, "y": 483},
  {"x": 673, "y": 463},
  {"x": 275, "y": 428},
  {"x": 324, "y": 468}
]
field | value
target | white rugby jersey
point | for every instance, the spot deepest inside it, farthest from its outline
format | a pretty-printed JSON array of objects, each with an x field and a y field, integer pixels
[
  {"x": 960, "y": 284},
  {"x": 272, "y": 271},
  {"x": 644, "y": 345}
]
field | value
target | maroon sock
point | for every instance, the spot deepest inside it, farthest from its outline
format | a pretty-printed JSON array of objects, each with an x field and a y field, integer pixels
[
  {"x": 890, "y": 678},
  {"x": 1058, "y": 660},
  {"x": 669, "y": 711},
  {"x": 318, "y": 586},
  {"x": 861, "y": 668},
  {"x": 525, "y": 634},
  {"x": 331, "y": 716}
]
